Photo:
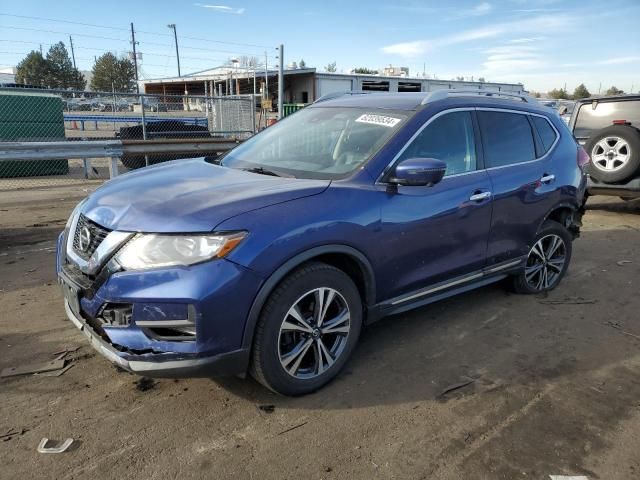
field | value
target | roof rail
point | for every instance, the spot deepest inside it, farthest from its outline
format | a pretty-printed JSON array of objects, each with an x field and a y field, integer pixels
[
  {"x": 445, "y": 93},
  {"x": 331, "y": 96}
]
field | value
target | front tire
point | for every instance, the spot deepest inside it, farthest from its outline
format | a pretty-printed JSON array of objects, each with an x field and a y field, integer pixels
[
  {"x": 547, "y": 261},
  {"x": 307, "y": 331}
]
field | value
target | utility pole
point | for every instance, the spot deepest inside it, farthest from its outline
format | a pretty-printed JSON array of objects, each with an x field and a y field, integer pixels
[
  {"x": 135, "y": 64},
  {"x": 73, "y": 54},
  {"x": 175, "y": 37},
  {"x": 135, "y": 58},
  {"x": 40, "y": 49},
  {"x": 280, "y": 80},
  {"x": 265, "y": 94}
]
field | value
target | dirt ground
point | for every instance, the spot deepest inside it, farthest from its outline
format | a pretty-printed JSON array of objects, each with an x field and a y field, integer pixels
[{"x": 556, "y": 387}]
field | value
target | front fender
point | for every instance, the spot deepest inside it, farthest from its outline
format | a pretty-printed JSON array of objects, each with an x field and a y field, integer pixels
[{"x": 290, "y": 265}]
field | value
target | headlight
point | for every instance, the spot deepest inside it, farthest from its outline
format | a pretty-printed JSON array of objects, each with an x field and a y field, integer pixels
[{"x": 156, "y": 250}]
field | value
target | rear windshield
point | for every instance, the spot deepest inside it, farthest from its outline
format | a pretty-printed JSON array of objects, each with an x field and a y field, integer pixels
[
  {"x": 318, "y": 142},
  {"x": 596, "y": 115}
]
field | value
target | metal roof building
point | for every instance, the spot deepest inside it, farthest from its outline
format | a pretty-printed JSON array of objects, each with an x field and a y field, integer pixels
[{"x": 304, "y": 85}]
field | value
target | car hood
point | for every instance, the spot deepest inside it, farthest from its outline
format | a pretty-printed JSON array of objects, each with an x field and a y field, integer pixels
[{"x": 189, "y": 196}]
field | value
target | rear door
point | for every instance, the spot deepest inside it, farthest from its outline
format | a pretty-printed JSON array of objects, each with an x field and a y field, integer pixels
[{"x": 523, "y": 178}]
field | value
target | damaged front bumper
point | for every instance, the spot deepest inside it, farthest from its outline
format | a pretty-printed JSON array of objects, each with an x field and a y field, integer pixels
[{"x": 164, "y": 364}]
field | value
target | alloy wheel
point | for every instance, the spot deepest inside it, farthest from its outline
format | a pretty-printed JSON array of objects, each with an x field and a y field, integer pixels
[
  {"x": 610, "y": 153},
  {"x": 545, "y": 262},
  {"x": 314, "y": 333}
]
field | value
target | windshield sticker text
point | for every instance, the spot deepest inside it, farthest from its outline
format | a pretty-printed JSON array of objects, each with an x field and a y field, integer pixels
[{"x": 378, "y": 120}]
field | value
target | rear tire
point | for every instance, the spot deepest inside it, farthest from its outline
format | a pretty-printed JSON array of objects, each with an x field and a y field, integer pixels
[
  {"x": 547, "y": 261},
  {"x": 615, "y": 153},
  {"x": 307, "y": 330}
]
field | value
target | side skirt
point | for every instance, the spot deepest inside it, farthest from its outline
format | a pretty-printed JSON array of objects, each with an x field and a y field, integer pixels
[{"x": 443, "y": 290}]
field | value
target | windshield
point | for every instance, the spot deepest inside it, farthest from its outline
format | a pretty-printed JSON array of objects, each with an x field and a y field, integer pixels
[{"x": 317, "y": 142}]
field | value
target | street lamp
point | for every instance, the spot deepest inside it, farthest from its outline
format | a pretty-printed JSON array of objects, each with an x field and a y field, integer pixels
[{"x": 175, "y": 37}]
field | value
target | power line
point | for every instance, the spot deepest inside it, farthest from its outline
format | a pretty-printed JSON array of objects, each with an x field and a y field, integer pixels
[
  {"x": 228, "y": 43},
  {"x": 61, "y": 21},
  {"x": 65, "y": 33},
  {"x": 143, "y": 43},
  {"x": 126, "y": 30},
  {"x": 89, "y": 59}
]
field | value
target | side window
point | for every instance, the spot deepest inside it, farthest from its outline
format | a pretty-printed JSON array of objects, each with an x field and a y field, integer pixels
[
  {"x": 448, "y": 138},
  {"x": 507, "y": 138},
  {"x": 545, "y": 130}
]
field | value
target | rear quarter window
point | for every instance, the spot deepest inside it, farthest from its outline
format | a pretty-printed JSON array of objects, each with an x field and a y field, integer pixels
[
  {"x": 506, "y": 137},
  {"x": 546, "y": 132}
]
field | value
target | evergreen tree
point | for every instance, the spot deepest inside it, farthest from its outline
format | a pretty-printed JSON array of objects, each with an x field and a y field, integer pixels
[
  {"x": 110, "y": 72},
  {"x": 581, "y": 92},
  {"x": 614, "y": 91},
  {"x": 61, "y": 73},
  {"x": 33, "y": 70}
]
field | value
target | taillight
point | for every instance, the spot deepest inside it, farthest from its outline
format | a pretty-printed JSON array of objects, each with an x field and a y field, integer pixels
[{"x": 583, "y": 157}]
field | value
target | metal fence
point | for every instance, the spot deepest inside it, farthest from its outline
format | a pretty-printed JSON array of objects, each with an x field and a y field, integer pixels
[{"x": 35, "y": 115}]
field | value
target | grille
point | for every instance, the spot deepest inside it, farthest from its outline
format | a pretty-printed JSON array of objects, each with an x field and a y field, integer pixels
[{"x": 97, "y": 235}]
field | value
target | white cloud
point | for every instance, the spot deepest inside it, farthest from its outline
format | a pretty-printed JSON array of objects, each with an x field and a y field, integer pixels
[
  {"x": 408, "y": 49},
  {"x": 222, "y": 8},
  {"x": 536, "y": 10},
  {"x": 526, "y": 40},
  {"x": 481, "y": 9},
  {"x": 476, "y": 11},
  {"x": 619, "y": 61},
  {"x": 510, "y": 58},
  {"x": 528, "y": 25}
]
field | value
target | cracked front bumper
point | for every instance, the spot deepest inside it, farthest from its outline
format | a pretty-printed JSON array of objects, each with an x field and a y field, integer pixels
[{"x": 164, "y": 364}]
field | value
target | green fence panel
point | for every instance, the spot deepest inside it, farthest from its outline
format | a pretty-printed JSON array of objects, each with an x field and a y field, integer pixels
[
  {"x": 30, "y": 116},
  {"x": 289, "y": 108}
]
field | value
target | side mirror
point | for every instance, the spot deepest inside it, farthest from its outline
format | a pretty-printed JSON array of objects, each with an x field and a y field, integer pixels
[{"x": 418, "y": 172}]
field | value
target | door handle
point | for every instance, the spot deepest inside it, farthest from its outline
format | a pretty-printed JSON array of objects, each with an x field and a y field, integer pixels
[
  {"x": 547, "y": 178},
  {"x": 479, "y": 196}
]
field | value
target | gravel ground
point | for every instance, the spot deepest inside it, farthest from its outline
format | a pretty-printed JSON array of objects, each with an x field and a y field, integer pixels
[{"x": 556, "y": 381}]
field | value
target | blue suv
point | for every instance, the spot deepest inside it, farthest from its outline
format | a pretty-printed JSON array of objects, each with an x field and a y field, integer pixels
[{"x": 271, "y": 258}]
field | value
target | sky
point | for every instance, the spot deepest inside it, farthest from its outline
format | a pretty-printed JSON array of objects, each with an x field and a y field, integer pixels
[{"x": 543, "y": 44}]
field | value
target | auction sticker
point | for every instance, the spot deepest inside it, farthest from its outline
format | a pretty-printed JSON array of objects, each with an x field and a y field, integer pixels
[{"x": 383, "y": 120}]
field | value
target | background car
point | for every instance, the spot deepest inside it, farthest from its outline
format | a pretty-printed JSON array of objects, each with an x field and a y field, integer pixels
[
  {"x": 609, "y": 129},
  {"x": 158, "y": 130}
]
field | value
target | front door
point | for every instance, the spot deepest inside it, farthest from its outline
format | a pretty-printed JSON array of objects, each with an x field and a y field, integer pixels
[{"x": 431, "y": 234}]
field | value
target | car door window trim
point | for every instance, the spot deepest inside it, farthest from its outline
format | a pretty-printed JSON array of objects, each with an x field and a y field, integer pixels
[
  {"x": 522, "y": 112},
  {"x": 386, "y": 170}
]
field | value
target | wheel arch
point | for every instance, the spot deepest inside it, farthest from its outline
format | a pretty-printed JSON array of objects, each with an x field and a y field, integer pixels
[
  {"x": 353, "y": 262},
  {"x": 564, "y": 213}
]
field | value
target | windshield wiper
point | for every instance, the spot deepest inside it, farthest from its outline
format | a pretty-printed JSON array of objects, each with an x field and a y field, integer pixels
[{"x": 264, "y": 171}]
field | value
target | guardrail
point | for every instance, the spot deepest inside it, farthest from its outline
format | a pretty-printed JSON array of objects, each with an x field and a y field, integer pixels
[
  {"x": 201, "y": 121},
  {"x": 111, "y": 149}
]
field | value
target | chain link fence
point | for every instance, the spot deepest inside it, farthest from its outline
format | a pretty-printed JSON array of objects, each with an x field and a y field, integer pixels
[{"x": 35, "y": 115}]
